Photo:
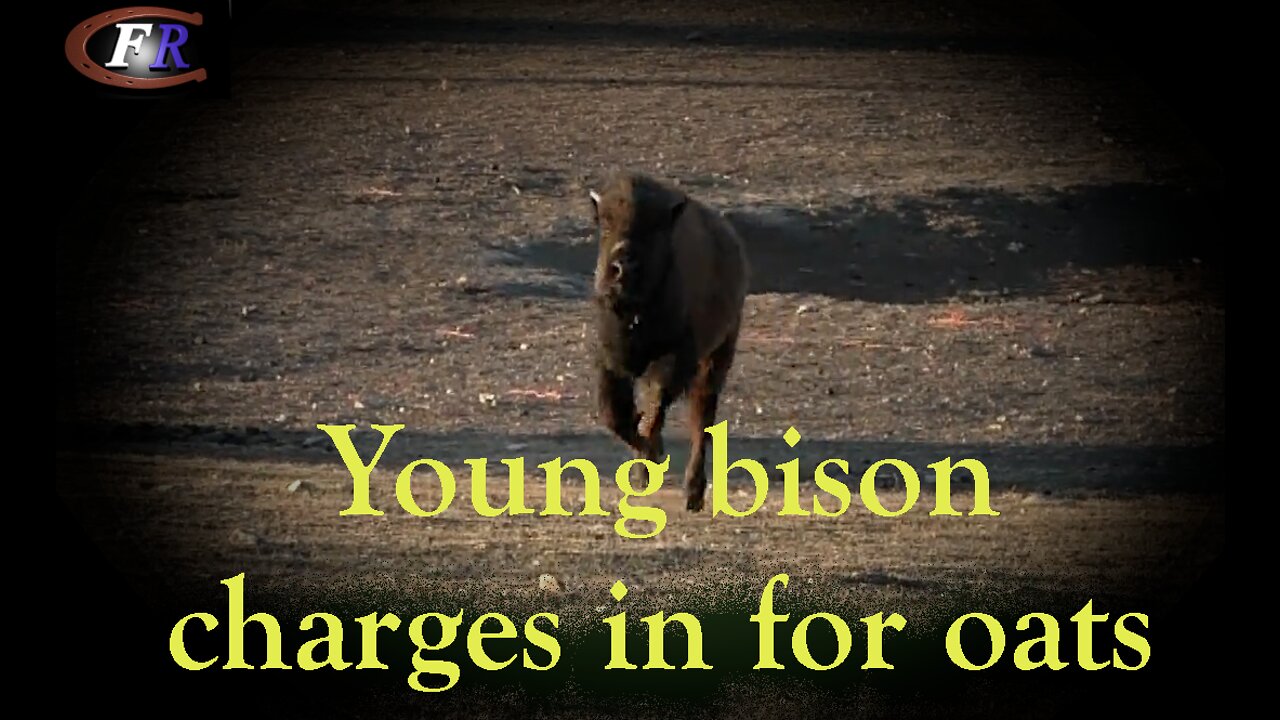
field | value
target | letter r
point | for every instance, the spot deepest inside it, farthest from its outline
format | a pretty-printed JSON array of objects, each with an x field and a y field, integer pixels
[{"x": 170, "y": 45}]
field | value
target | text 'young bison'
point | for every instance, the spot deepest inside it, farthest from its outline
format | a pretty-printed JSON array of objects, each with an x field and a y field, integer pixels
[{"x": 670, "y": 282}]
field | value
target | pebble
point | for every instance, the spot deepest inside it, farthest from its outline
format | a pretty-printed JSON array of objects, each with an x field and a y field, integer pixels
[{"x": 243, "y": 538}]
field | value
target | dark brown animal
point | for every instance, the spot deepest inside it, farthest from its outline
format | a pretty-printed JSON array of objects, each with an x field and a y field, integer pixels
[{"x": 670, "y": 282}]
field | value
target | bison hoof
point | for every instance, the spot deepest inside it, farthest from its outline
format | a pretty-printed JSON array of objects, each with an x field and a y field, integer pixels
[
  {"x": 693, "y": 503},
  {"x": 640, "y": 475}
]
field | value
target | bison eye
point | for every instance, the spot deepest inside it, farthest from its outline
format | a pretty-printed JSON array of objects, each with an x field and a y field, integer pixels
[{"x": 614, "y": 270}]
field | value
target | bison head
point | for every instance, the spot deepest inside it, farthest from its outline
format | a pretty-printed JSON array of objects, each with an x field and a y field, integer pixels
[{"x": 634, "y": 217}]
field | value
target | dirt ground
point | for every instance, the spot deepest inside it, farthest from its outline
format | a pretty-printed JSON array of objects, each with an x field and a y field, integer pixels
[{"x": 968, "y": 237}]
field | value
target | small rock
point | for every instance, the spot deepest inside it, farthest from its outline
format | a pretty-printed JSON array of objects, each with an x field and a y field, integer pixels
[
  {"x": 243, "y": 538},
  {"x": 1091, "y": 300},
  {"x": 524, "y": 346},
  {"x": 246, "y": 310},
  {"x": 549, "y": 583},
  {"x": 461, "y": 280},
  {"x": 488, "y": 399},
  {"x": 198, "y": 340},
  {"x": 357, "y": 405},
  {"x": 803, "y": 309},
  {"x": 1015, "y": 247},
  {"x": 298, "y": 485}
]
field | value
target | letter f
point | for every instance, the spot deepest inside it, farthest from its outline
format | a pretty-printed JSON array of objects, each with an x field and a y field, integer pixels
[{"x": 128, "y": 40}]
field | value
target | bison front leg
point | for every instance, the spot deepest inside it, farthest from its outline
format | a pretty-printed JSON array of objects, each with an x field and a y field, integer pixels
[
  {"x": 616, "y": 396},
  {"x": 652, "y": 417},
  {"x": 704, "y": 396},
  {"x": 664, "y": 382}
]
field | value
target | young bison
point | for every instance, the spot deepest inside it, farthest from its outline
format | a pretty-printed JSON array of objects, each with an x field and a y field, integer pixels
[{"x": 670, "y": 282}]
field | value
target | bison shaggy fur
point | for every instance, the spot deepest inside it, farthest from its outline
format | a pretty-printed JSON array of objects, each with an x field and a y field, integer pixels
[{"x": 670, "y": 282}]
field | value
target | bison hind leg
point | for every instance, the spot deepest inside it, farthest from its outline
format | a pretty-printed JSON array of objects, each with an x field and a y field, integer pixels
[{"x": 704, "y": 397}]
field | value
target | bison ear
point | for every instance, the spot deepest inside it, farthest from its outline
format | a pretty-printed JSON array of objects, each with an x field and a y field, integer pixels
[
  {"x": 678, "y": 202},
  {"x": 678, "y": 208}
]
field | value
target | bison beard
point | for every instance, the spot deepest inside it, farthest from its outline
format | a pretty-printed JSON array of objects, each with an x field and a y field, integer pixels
[{"x": 669, "y": 289}]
